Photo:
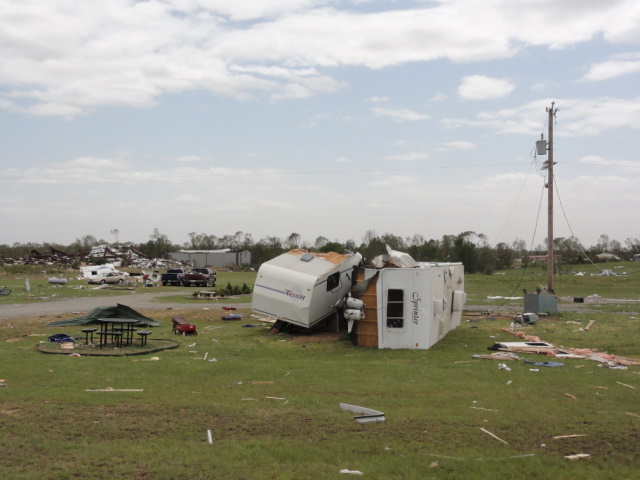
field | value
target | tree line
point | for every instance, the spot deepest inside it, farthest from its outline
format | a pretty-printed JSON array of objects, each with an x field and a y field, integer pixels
[{"x": 470, "y": 248}]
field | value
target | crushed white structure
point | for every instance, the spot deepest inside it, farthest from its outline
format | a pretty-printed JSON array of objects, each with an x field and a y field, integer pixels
[{"x": 392, "y": 302}]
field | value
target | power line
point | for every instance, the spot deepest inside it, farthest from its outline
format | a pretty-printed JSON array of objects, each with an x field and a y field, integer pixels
[
  {"x": 600, "y": 106},
  {"x": 263, "y": 174}
]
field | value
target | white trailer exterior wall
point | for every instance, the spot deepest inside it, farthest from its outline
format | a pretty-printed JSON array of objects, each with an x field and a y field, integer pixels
[{"x": 418, "y": 306}]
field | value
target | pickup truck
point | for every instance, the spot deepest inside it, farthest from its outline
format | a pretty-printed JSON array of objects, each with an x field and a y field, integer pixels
[
  {"x": 174, "y": 276},
  {"x": 203, "y": 277}
]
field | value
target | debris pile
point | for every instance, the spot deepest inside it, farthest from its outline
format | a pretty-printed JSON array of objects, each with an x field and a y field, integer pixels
[
  {"x": 123, "y": 256},
  {"x": 533, "y": 344}
]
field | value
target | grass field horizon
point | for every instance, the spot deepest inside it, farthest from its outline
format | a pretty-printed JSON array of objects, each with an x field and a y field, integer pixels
[{"x": 271, "y": 402}]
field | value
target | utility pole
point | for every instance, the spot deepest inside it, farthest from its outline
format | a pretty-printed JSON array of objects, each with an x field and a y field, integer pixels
[{"x": 552, "y": 112}]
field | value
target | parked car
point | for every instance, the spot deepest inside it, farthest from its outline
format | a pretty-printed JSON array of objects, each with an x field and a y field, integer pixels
[
  {"x": 173, "y": 276},
  {"x": 118, "y": 278},
  {"x": 203, "y": 277}
]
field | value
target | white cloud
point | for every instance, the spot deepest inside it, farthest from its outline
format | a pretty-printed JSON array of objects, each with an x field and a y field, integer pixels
[
  {"x": 95, "y": 163},
  {"x": 616, "y": 67},
  {"x": 577, "y": 117},
  {"x": 407, "y": 157},
  {"x": 598, "y": 160},
  {"x": 399, "y": 115},
  {"x": 377, "y": 99},
  {"x": 479, "y": 87},
  {"x": 343, "y": 160},
  {"x": 393, "y": 181},
  {"x": 439, "y": 97},
  {"x": 457, "y": 145},
  {"x": 66, "y": 59},
  {"x": 190, "y": 159}
]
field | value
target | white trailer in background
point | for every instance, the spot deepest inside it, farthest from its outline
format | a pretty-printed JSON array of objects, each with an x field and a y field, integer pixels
[
  {"x": 93, "y": 271},
  {"x": 392, "y": 303},
  {"x": 304, "y": 288}
]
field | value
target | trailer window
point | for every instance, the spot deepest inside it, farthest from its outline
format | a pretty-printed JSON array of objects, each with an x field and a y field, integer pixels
[
  {"x": 395, "y": 308},
  {"x": 333, "y": 281}
]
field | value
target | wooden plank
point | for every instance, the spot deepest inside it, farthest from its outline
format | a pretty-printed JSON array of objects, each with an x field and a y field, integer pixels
[{"x": 492, "y": 435}]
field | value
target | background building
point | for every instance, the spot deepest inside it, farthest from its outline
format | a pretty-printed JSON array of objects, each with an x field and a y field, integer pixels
[{"x": 213, "y": 258}]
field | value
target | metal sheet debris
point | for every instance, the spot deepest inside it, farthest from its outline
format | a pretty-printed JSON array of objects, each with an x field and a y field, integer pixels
[{"x": 367, "y": 415}]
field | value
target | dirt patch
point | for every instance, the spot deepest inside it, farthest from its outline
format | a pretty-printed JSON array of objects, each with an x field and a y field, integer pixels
[
  {"x": 318, "y": 337},
  {"x": 154, "y": 345}
]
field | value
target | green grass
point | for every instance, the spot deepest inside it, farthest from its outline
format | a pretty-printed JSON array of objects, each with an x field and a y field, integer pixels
[
  {"x": 15, "y": 278},
  {"x": 436, "y": 401}
]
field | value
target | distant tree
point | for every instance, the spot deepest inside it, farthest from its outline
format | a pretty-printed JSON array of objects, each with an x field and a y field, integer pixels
[
  {"x": 394, "y": 241},
  {"x": 320, "y": 242},
  {"x": 161, "y": 243},
  {"x": 633, "y": 245},
  {"x": 570, "y": 249},
  {"x": 616, "y": 248},
  {"x": 293, "y": 241},
  {"x": 504, "y": 256},
  {"x": 466, "y": 251},
  {"x": 603, "y": 243},
  {"x": 332, "y": 247}
]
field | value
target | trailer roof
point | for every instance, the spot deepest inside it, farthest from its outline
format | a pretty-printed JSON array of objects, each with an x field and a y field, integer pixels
[{"x": 332, "y": 257}]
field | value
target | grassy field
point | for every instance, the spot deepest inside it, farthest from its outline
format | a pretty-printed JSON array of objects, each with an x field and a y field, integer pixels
[
  {"x": 271, "y": 402},
  {"x": 16, "y": 278}
]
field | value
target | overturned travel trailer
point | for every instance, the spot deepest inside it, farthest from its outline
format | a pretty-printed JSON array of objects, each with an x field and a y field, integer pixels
[
  {"x": 304, "y": 288},
  {"x": 392, "y": 302}
]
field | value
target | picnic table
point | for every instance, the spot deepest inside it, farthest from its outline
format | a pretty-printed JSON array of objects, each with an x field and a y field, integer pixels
[{"x": 120, "y": 330}]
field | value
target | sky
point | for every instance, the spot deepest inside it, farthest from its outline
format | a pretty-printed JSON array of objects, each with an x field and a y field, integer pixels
[{"x": 318, "y": 117}]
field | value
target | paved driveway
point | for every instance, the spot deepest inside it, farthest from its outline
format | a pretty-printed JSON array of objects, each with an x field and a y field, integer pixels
[{"x": 139, "y": 302}]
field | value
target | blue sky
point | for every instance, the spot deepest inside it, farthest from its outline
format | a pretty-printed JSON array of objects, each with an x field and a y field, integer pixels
[{"x": 323, "y": 118}]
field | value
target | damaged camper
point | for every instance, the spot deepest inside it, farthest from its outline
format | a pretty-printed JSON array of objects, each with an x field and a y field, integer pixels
[
  {"x": 389, "y": 302},
  {"x": 304, "y": 288}
]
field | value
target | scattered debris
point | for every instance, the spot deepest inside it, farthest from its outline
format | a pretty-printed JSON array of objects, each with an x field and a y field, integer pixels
[
  {"x": 625, "y": 385},
  {"x": 110, "y": 389},
  {"x": 209, "y": 437},
  {"x": 557, "y": 437},
  {"x": 497, "y": 356},
  {"x": 492, "y": 435},
  {"x": 526, "y": 318},
  {"x": 589, "y": 325},
  {"x": 534, "y": 345},
  {"x": 503, "y": 366},
  {"x": 577, "y": 456},
  {"x": 544, "y": 364},
  {"x": 352, "y": 472},
  {"x": 367, "y": 415},
  {"x": 570, "y": 396}
]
